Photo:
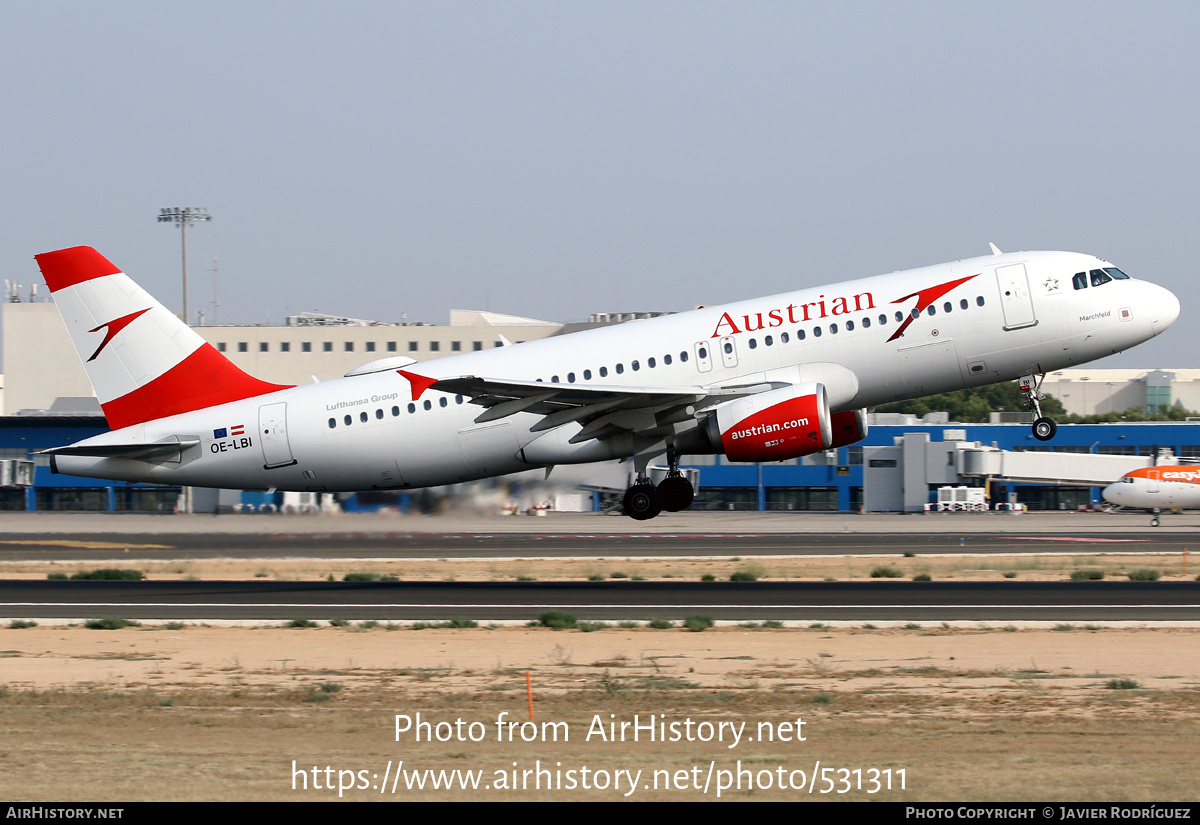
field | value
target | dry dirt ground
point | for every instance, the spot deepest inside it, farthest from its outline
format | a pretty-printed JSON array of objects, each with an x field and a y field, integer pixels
[
  {"x": 188, "y": 712},
  {"x": 204, "y": 713}
]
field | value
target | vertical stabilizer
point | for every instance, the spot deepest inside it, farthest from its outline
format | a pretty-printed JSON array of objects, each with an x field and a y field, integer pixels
[{"x": 143, "y": 362}]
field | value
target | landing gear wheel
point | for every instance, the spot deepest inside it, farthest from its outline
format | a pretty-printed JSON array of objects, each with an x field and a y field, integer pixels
[
  {"x": 676, "y": 493},
  {"x": 1044, "y": 429},
  {"x": 642, "y": 502},
  {"x": 1154, "y": 521}
]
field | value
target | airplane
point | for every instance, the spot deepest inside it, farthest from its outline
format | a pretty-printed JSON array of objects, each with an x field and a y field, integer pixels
[
  {"x": 1165, "y": 487},
  {"x": 766, "y": 379}
]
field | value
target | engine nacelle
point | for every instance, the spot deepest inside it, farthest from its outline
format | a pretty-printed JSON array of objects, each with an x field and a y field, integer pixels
[
  {"x": 849, "y": 427},
  {"x": 772, "y": 426}
]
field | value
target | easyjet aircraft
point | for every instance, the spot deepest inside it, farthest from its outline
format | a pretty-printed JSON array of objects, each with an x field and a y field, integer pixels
[
  {"x": 1166, "y": 487},
  {"x": 760, "y": 380}
]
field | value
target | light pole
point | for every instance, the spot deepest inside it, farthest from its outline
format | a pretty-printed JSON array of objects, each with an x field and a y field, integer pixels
[{"x": 183, "y": 218}]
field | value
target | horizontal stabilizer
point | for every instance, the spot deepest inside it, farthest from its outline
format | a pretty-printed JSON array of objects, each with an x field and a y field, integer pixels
[{"x": 159, "y": 450}]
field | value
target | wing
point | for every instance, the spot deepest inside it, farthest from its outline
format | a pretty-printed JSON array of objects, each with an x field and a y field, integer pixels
[{"x": 603, "y": 410}]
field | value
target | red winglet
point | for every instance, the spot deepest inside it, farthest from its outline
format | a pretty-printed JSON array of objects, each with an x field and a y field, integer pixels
[
  {"x": 419, "y": 383},
  {"x": 68, "y": 267}
]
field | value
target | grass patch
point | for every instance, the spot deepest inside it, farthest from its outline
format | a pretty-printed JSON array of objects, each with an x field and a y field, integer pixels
[
  {"x": 885, "y": 572},
  {"x": 922, "y": 577},
  {"x": 596, "y": 577},
  {"x": 708, "y": 577},
  {"x": 338, "y": 623},
  {"x": 588, "y": 627},
  {"x": 301, "y": 623},
  {"x": 1122, "y": 684},
  {"x": 1144, "y": 574},
  {"x": 698, "y": 623},
  {"x": 660, "y": 624},
  {"x": 743, "y": 576},
  {"x": 110, "y": 623},
  {"x": 557, "y": 619},
  {"x": 21, "y": 624},
  {"x": 1090, "y": 574},
  {"x": 108, "y": 574}
]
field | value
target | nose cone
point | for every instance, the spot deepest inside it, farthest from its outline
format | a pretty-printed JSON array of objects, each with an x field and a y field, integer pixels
[
  {"x": 1164, "y": 308},
  {"x": 1111, "y": 494}
]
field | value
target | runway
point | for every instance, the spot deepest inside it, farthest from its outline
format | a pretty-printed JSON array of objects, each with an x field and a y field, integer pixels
[
  {"x": 395, "y": 545},
  {"x": 98, "y": 539},
  {"x": 610, "y": 601}
]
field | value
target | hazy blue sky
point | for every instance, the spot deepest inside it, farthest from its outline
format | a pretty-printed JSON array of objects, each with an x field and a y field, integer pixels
[{"x": 556, "y": 159}]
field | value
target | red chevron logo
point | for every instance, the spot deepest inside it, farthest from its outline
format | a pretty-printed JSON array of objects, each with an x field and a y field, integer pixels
[
  {"x": 924, "y": 298},
  {"x": 114, "y": 326}
]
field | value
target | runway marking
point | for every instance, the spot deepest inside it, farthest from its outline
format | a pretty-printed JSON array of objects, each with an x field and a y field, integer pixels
[
  {"x": 1073, "y": 538},
  {"x": 587, "y": 606},
  {"x": 92, "y": 545}
]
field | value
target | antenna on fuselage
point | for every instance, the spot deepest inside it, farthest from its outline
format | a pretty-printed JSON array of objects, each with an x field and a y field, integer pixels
[{"x": 995, "y": 249}]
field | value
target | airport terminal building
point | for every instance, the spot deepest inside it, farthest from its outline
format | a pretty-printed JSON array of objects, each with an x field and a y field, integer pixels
[{"x": 48, "y": 402}]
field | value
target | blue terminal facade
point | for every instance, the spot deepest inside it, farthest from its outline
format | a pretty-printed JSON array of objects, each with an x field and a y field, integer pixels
[{"x": 800, "y": 484}]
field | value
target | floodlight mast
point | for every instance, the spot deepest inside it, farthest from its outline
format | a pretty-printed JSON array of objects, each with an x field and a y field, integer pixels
[{"x": 183, "y": 218}]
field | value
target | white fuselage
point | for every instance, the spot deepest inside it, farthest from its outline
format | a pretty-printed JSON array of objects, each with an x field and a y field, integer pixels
[{"x": 1019, "y": 314}]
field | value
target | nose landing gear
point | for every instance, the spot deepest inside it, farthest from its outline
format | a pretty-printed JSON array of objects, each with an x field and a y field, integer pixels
[{"x": 1044, "y": 427}]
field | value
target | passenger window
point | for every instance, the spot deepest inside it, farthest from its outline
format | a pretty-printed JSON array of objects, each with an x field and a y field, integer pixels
[
  {"x": 395, "y": 411},
  {"x": 636, "y": 366},
  {"x": 667, "y": 360},
  {"x": 849, "y": 326},
  {"x": 816, "y": 332},
  {"x": 379, "y": 413},
  {"x": 570, "y": 378},
  {"x": 768, "y": 340},
  {"x": 650, "y": 362},
  {"x": 1098, "y": 277},
  {"x": 1080, "y": 280},
  {"x": 587, "y": 375},
  {"x": 900, "y": 316},
  {"x": 833, "y": 329},
  {"x": 683, "y": 356},
  {"x": 979, "y": 300},
  {"x": 883, "y": 320},
  {"x": 947, "y": 307},
  {"x": 604, "y": 372},
  {"x": 442, "y": 401},
  {"x": 620, "y": 368},
  {"x": 783, "y": 337},
  {"x": 799, "y": 335},
  {"x": 916, "y": 313},
  {"x": 866, "y": 322},
  {"x": 412, "y": 408},
  {"x": 347, "y": 419},
  {"x": 332, "y": 423},
  {"x": 932, "y": 311},
  {"x": 963, "y": 304},
  {"x": 728, "y": 347},
  {"x": 753, "y": 344}
]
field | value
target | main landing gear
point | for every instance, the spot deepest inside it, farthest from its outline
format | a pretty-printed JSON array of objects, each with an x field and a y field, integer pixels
[
  {"x": 645, "y": 501},
  {"x": 1044, "y": 427}
]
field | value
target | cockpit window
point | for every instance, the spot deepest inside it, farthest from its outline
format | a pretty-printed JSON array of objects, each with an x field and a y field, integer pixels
[
  {"x": 1099, "y": 277},
  {"x": 1080, "y": 280},
  {"x": 1116, "y": 273}
]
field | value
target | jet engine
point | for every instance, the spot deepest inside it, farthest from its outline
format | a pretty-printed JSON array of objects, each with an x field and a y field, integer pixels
[
  {"x": 772, "y": 426},
  {"x": 849, "y": 427}
]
